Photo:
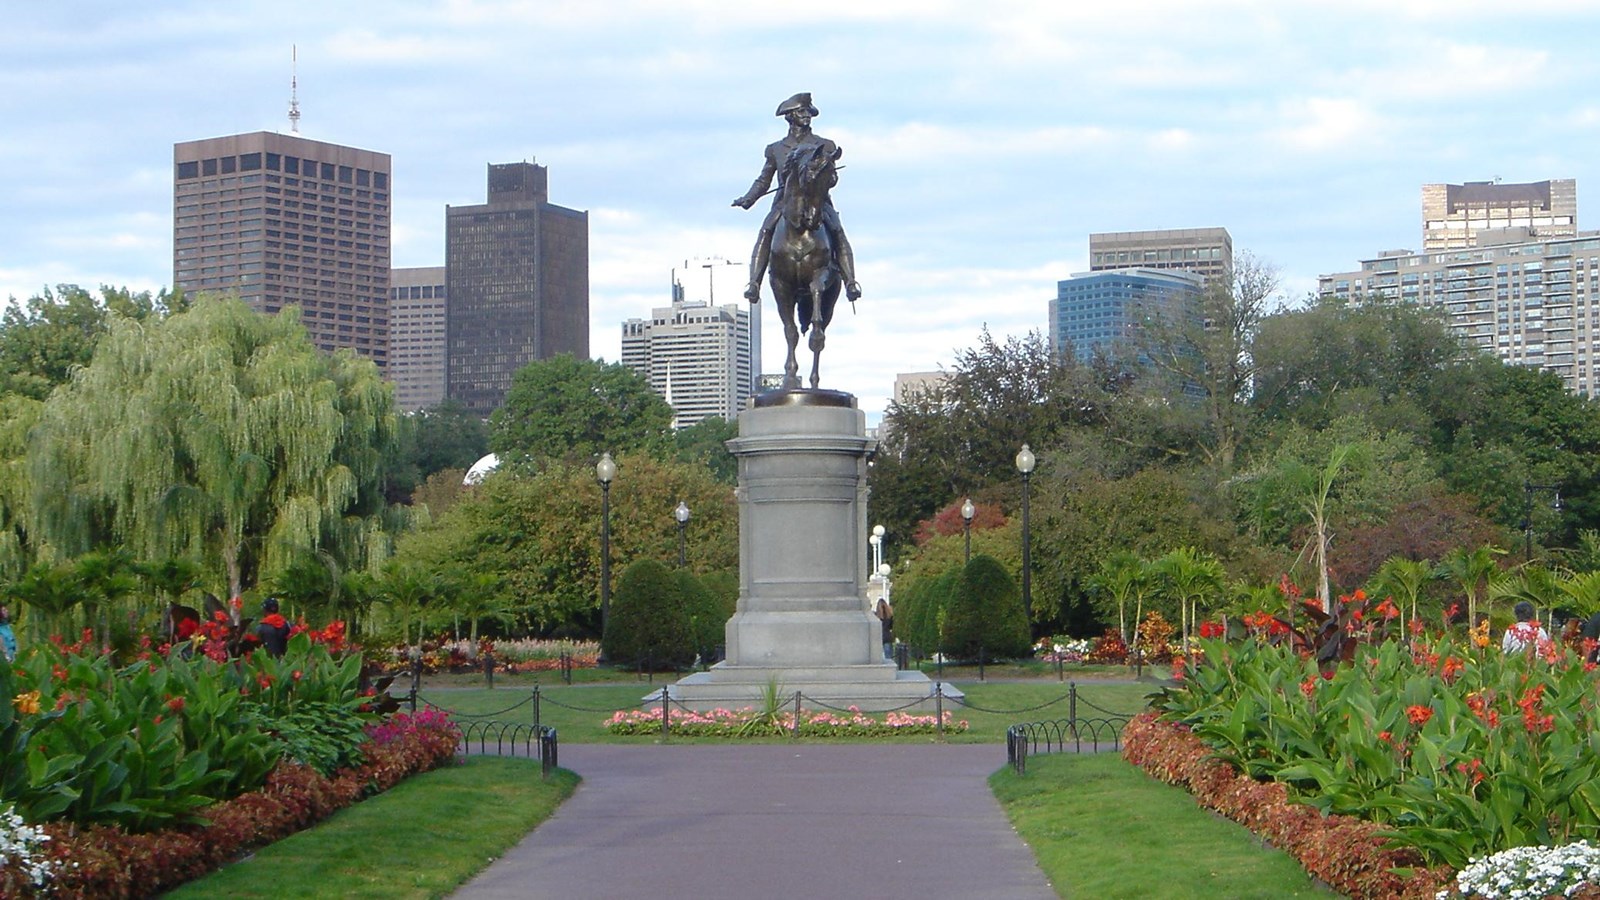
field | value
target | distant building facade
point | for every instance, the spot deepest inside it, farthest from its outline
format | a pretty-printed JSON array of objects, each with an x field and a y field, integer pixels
[
  {"x": 517, "y": 273},
  {"x": 417, "y": 304},
  {"x": 1530, "y": 303},
  {"x": 1104, "y": 310},
  {"x": 1207, "y": 252},
  {"x": 287, "y": 221},
  {"x": 1455, "y": 215},
  {"x": 698, "y": 357}
]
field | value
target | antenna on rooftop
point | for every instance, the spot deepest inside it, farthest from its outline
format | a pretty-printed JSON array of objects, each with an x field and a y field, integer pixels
[{"x": 294, "y": 89}]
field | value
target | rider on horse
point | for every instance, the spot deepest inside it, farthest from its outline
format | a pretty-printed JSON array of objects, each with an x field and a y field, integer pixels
[{"x": 798, "y": 110}]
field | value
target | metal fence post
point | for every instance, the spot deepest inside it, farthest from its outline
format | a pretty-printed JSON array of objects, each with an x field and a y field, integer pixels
[
  {"x": 488, "y": 669},
  {"x": 796, "y": 730},
  {"x": 938, "y": 708},
  {"x": 665, "y": 728},
  {"x": 1072, "y": 703},
  {"x": 416, "y": 678},
  {"x": 1060, "y": 673},
  {"x": 536, "y": 722}
]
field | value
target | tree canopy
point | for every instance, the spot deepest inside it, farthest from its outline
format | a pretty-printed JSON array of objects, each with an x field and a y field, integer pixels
[
  {"x": 219, "y": 433},
  {"x": 572, "y": 410}
]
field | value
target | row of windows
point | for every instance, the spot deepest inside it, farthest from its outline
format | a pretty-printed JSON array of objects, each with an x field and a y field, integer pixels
[{"x": 290, "y": 165}]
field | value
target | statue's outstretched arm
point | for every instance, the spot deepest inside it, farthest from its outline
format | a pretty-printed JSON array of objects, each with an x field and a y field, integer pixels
[{"x": 759, "y": 186}]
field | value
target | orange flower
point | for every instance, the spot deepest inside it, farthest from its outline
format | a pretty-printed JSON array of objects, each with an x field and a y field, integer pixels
[
  {"x": 26, "y": 704},
  {"x": 1419, "y": 715}
]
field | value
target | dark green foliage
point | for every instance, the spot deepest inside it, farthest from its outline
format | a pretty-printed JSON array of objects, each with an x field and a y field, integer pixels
[
  {"x": 920, "y": 611},
  {"x": 564, "y": 408},
  {"x": 650, "y": 618},
  {"x": 43, "y": 339},
  {"x": 324, "y": 736},
  {"x": 985, "y": 615},
  {"x": 707, "y": 614},
  {"x": 722, "y": 600},
  {"x": 705, "y": 442}
]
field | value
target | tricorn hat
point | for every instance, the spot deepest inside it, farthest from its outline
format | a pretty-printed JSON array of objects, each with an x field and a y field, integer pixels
[{"x": 794, "y": 103}]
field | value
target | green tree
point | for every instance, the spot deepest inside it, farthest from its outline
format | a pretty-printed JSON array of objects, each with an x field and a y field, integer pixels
[
  {"x": 650, "y": 618},
  {"x": 984, "y": 616},
  {"x": 45, "y": 338},
  {"x": 1123, "y": 579},
  {"x": 706, "y": 443},
  {"x": 538, "y": 534},
  {"x": 18, "y": 414},
  {"x": 216, "y": 432},
  {"x": 1211, "y": 352},
  {"x": 572, "y": 410}
]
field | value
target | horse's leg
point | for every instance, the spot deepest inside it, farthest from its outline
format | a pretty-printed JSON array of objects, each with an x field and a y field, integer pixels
[
  {"x": 791, "y": 335},
  {"x": 818, "y": 331}
]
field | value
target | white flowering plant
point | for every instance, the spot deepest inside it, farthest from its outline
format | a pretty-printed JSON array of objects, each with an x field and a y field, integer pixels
[
  {"x": 22, "y": 851},
  {"x": 1529, "y": 872}
]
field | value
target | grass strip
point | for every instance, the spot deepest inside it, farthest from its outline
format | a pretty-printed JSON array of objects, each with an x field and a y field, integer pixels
[
  {"x": 1015, "y": 701},
  {"x": 423, "y": 838},
  {"x": 1099, "y": 827}
]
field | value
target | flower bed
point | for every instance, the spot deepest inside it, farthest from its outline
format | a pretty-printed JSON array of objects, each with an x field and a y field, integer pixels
[
  {"x": 104, "y": 861},
  {"x": 750, "y": 722},
  {"x": 1349, "y": 854},
  {"x": 463, "y": 656}
]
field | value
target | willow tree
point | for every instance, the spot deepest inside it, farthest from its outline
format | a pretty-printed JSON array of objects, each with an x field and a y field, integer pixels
[
  {"x": 217, "y": 433},
  {"x": 17, "y": 415}
]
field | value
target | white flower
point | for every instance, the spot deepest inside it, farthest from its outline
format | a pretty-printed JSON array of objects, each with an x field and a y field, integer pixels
[
  {"x": 1529, "y": 872},
  {"x": 22, "y": 845}
]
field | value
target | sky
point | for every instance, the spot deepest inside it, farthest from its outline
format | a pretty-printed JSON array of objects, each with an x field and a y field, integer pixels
[{"x": 982, "y": 143}]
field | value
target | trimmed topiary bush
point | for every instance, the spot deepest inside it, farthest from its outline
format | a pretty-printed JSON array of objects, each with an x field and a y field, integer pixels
[
  {"x": 651, "y": 618},
  {"x": 984, "y": 615}
]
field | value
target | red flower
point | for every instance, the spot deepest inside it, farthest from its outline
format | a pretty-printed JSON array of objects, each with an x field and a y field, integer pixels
[
  {"x": 1452, "y": 667},
  {"x": 1212, "y": 629},
  {"x": 175, "y": 704},
  {"x": 274, "y": 620},
  {"x": 1419, "y": 715},
  {"x": 1309, "y": 686}
]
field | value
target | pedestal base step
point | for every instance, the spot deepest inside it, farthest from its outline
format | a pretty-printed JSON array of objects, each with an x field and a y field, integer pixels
[{"x": 872, "y": 689}]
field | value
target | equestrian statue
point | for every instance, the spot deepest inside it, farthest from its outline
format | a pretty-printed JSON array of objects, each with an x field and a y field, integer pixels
[{"x": 801, "y": 246}]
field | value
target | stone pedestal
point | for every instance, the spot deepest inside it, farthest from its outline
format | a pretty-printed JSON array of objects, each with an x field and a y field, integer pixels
[{"x": 802, "y": 622}]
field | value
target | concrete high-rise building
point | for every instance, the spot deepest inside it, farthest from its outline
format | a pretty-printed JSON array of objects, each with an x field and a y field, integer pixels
[
  {"x": 517, "y": 271},
  {"x": 1454, "y": 216},
  {"x": 1531, "y": 303},
  {"x": 1205, "y": 251},
  {"x": 696, "y": 356},
  {"x": 287, "y": 221},
  {"x": 416, "y": 336},
  {"x": 1104, "y": 310}
]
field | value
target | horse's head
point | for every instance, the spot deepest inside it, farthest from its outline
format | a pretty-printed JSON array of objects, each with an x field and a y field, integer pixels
[{"x": 810, "y": 166}]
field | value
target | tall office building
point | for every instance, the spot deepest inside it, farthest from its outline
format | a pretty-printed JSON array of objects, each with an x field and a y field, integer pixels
[
  {"x": 288, "y": 221},
  {"x": 1454, "y": 216},
  {"x": 1104, "y": 310},
  {"x": 517, "y": 271},
  {"x": 1530, "y": 303},
  {"x": 696, "y": 356},
  {"x": 416, "y": 336},
  {"x": 1205, "y": 251}
]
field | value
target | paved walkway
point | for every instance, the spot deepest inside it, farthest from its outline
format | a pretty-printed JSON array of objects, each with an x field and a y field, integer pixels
[{"x": 716, "y": 822}]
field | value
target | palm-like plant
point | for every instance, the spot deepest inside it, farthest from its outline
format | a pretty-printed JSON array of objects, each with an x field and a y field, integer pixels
[
  {"x": 1534, "y": 583},
  {"x": 51, "y": 590},
  {"x": 1123, "y": 577},
  {"x": 1471, "y": 571},
  {"x": 1187, "y": 576},
  {"x": 1403, "y": 579}
]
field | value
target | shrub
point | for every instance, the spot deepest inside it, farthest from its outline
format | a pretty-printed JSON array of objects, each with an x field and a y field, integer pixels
[
  {"x": 650, "y": 618},
  {"x": 985, "y": 613}
]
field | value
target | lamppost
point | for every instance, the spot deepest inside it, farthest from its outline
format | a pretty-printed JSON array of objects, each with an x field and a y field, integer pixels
[
  {"x": 967, "y": 512},
  {"x": 876, "y": 540},
  {"x": 682, "y": 515},
  {"x": 604, "y": 471},
  {"x": 1528, "y": 490},
  {"x": 1025, "y": 464}
]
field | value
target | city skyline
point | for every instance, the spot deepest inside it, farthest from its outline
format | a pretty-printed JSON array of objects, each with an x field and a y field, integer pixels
[{"x": 979, "y": 155}]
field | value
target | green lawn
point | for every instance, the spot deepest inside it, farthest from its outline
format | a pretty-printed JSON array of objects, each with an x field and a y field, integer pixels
[
  {"x": 579, "y": 711},
  {"x": 1101, "y": 828},
  {"x": 423, "y": 838}
]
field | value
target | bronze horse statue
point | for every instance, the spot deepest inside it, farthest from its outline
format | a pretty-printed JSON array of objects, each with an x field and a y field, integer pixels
[{"x": 804, "y": 272}]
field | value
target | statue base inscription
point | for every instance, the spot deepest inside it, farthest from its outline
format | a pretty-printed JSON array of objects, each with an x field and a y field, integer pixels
[{"x": 802, "y": 621}]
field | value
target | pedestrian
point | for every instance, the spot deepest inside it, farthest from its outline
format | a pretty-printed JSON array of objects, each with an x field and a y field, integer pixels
[
  {"x": 1527, "y": 635},
  {"x": 8, "y": 638},
  {"x": 273, "y": 629}
]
